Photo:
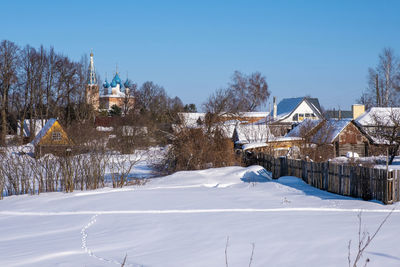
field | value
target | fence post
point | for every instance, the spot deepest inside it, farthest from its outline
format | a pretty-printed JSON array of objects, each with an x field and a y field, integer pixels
[
  {"x": 389, "y": 188},
  {"x": 326, "y": 175},
  {"x": 283, "y": 166},
  {"x": 340, "y": 178},
  {"x": 304, "y": 171},
  {"x": 356, "y": 181},
  {"x": 396, "y": 186}
]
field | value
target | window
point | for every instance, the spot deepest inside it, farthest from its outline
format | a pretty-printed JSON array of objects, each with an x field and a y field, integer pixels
[{"x": 56, "y": 136}]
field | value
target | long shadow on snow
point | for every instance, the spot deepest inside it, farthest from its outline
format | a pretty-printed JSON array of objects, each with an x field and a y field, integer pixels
[
  {"x": 260, "y": 176},
  {"x": 309, "y": 190}
]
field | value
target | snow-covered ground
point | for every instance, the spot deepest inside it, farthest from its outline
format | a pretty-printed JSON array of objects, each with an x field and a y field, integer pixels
[{"x": 185, "y": 219}]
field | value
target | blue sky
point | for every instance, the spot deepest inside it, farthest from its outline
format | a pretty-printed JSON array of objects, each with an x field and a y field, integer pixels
[{"x": 317, "y": 48}]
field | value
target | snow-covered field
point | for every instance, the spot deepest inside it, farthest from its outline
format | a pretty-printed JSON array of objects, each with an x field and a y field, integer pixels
[{"x": 185, "y": 219}]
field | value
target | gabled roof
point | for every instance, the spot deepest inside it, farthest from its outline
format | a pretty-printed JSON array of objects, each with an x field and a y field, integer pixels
[
  {"x": 251, "y": 133},
  {"x": 191, "y": 119},
  {"x": 37, "y": 126},
  {"x": 329, "y": 131},
  {"x": 43, "y": 131},
  {"x": 321, "y": 131},
  {"x": 288, "y": 105},
  {"x": 303, "y": 128},
  {"x": 379, "y": 116}
]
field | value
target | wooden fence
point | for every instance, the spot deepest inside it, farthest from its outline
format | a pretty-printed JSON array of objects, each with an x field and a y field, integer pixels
[{"x": 346, "y": 180}]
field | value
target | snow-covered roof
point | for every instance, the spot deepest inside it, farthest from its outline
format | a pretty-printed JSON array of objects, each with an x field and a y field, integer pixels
[
  {"x": 118, "y": 95},
  {"x": 303, "y": 128},
  {"x": 228, "y": 129},
  {"x": 254, "y": 114},
  {"x": 327, "y": 131},
  {"x": 189, "y": 119},
  {"x": 37, "y": 126},
  {"x": 272, "y": 139},
  {"x": 43, "y": 131},
  {"x": 330, "y": 130},
  {"x": 287, "y": 105},
  {"x": 254, "y": 145},
  {"x": 251, "y": 133},
  {"x": 285, "y": 139},
  {"x": 379, "y": 116}
]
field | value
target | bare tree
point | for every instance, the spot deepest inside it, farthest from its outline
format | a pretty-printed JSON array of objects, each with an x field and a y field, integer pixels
[
  {"x": 152, "y": 98},
  {"x": 9, "y": 61},
  {"x": 244, "y": 93},
  {"x": 383, "y": 81},
  {"x": 386, "y": 130},
  {"x": 219, "y": 102},
  {"x": 128, "y": 102},
  {"x": 249, "y": 91}
]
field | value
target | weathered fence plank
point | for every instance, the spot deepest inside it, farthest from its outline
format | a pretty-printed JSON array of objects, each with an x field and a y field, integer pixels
[{"x": 354, "y": 181}]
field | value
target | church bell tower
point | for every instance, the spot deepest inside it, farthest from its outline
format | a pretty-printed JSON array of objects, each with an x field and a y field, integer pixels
[{"x": 92, "y": 88}]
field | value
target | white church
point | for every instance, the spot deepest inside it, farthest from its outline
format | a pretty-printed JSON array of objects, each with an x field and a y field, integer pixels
[{"x": 114, "y": 93}]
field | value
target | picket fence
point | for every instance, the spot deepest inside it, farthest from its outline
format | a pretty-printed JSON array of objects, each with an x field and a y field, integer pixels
[{"x": 347, "y": 180}]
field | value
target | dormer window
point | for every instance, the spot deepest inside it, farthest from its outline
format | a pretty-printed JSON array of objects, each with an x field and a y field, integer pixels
[{"x": 56, "y": 136}]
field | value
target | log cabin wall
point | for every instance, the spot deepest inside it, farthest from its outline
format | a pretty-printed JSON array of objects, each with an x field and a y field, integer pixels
[{"x": 352, "y": 140}]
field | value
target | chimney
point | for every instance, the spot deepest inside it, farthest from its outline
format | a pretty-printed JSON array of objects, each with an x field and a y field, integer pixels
[
  {"x": 275, "y": 108},
  {"x": 357, "y": 110}
]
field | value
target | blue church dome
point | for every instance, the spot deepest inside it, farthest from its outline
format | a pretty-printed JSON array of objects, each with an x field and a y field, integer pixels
[
  {"x": 106, "y": 84},
  {"x": 113, "y": 83},
  {"x": 127, "y": 83},
  {"x": 116, "y": 80}
]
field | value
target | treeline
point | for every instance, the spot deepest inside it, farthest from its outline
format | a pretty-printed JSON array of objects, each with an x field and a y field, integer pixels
[{"x": 40, "y": 83}]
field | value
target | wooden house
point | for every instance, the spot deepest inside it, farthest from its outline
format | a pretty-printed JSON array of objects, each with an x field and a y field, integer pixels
[
  {"x": 341, "y": 136},
  {"x": 292, "y": 111},
  {"x": 53, "y": 139},
  {"x": 377, "y": 119}
]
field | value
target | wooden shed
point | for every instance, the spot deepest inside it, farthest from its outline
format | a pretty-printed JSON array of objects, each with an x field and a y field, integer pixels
[
  {"x": 53, "y": 139},
  {"x": 352, "y": 138},
  {"x": 341, "y": 135}
]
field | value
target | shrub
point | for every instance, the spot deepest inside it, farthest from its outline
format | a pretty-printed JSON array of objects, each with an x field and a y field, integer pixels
[{"x": 194, "y": 149}]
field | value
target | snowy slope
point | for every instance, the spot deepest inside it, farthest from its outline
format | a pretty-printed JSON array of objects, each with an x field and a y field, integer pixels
[{"x": 184, "y": 220}]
